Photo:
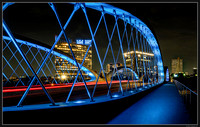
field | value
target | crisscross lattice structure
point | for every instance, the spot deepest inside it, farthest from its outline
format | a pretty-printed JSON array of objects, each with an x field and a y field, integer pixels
[{"x": 125, "y": 39}]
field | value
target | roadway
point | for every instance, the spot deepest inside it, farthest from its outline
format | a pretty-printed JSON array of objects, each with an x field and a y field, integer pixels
[{"x": 59, "y": 92}]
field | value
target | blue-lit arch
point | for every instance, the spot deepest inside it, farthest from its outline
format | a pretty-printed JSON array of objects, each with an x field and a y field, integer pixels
[
  {"x": 146, "y": 36},
  {"x": 133, "y": 21}
]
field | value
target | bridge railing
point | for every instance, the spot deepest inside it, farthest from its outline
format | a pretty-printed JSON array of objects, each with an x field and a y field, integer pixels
[
  {"x": 189, "y": 97},
  {"x": 186, "y": 92}
]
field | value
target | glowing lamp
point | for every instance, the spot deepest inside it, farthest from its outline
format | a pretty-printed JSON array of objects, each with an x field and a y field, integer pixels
[
  {"x": 175, "y": 75},
  {"x": 63, "y": 77},
  {"x": 79, "y": 101},
  {"x": 116, "y": 95}
]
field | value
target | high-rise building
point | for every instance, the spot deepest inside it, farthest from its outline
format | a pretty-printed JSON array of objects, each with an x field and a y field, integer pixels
[
  {"x": 137, "y": 60},
  {"x": 66, "y": 70},
  {"x": 177, "y": 65}
]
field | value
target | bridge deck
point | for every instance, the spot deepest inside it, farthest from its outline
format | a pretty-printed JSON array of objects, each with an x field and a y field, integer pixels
[{"x": 162, "y": 106}]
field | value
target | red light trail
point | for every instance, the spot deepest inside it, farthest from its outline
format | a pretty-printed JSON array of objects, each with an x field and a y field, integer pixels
[{"x": 55, "y": 86}]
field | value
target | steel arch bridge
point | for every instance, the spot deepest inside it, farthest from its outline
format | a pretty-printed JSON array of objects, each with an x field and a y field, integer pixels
[{"x": 24, "y": 58}]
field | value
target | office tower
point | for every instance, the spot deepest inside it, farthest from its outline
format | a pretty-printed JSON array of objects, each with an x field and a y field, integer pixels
[
  {"x": 137, "y": 60},
  {"x": 66, "y": 70},
  {"x": 177, "y": 65}
]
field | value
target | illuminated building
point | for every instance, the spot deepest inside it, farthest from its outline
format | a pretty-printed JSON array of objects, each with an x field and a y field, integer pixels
[
  {"x": 177, "y": 65},
  {"x": 110, "y": 67},
  {"x": 13, "y": 78},
  {"x": 138, "y": 59},
  {"x": 66, "y": 70}
]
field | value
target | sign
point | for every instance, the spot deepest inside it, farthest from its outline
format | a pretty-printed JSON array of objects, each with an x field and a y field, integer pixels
[{"x": 83, "y": 42}]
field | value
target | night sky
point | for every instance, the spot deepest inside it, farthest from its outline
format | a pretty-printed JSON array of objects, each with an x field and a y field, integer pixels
[{"x": 174, "y": 25}]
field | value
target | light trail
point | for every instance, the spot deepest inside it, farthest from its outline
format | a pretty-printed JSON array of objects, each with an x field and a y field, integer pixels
[{"x": 55, "y": 86}]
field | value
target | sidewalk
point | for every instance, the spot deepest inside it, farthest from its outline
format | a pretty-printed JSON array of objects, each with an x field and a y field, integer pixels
[{"x": 162, "y": 106}]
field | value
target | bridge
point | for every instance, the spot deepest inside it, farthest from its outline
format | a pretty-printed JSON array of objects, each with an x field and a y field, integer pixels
[{"x": 46, "y": 80}]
